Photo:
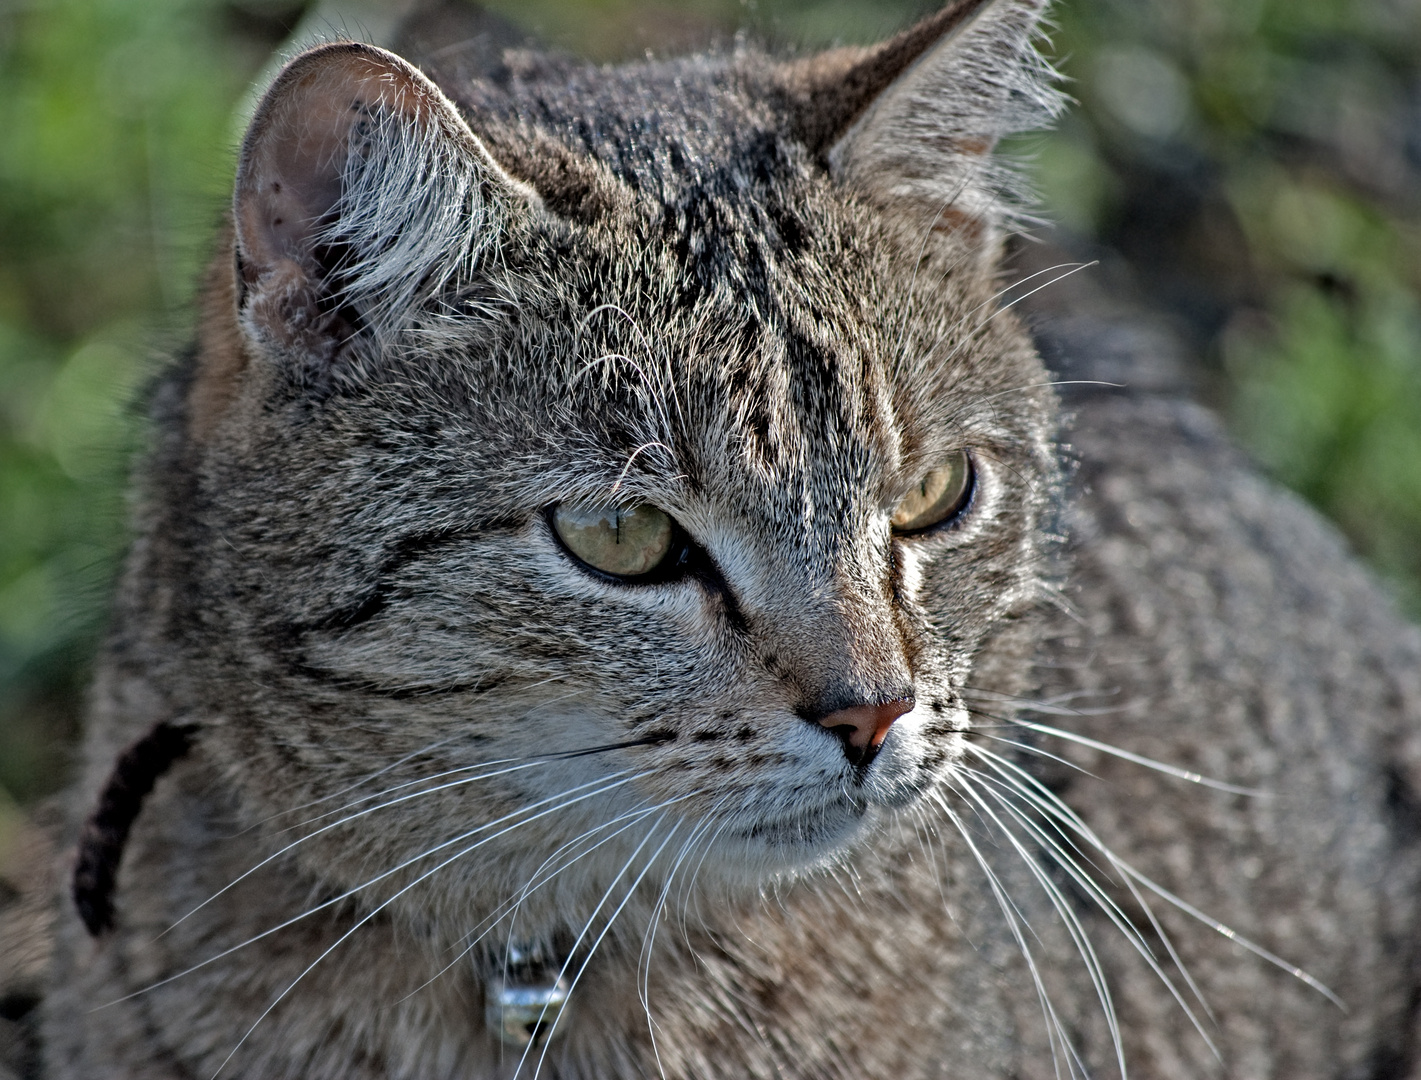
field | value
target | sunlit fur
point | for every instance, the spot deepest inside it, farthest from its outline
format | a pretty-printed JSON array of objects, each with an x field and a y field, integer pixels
[{"x": 424, "y": 732}]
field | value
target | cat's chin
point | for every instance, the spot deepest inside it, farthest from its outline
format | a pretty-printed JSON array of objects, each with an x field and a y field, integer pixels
[
  {"x": 772, "y": 844},
  {"x": 772, "y": 847}
]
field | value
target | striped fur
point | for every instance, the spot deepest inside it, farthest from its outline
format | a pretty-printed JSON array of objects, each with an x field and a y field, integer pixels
[{"x": 761, "y": 295}]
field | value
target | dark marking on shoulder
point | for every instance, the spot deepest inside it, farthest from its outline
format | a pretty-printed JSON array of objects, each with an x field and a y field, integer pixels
[
  {"x": 1402, "y": 801},
  {"x": 105, "y": 833}
]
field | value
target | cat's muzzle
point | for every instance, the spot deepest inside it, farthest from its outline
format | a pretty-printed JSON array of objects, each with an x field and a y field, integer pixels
[{"x": 524, "y": 997}]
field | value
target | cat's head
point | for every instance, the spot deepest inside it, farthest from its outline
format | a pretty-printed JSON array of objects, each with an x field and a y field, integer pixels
[{"x": 643, "y": 454}]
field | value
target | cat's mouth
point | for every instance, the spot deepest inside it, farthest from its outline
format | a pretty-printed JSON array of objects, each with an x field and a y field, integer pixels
[{"x": 836, "y": 816}]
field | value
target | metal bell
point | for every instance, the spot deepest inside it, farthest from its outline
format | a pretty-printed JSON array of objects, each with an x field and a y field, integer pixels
[{"x": 524, "y": 998}]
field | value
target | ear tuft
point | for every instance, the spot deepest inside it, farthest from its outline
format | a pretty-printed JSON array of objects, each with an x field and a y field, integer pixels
[
  {"x": 361, "y": 193},
  {"x": 914, "y": 120}
]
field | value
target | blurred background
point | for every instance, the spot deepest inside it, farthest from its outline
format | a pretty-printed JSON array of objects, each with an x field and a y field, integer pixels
[{"x": 1247, "y": 173}]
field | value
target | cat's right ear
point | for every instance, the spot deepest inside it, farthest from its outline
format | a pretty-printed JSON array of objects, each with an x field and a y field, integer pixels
[
  {"x": 361, "y": 198},
  {"x": 912, "y": 122}
]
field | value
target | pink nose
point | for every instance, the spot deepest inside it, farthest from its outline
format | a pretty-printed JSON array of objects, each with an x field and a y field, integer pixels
[{"x": 865, "y": 726}]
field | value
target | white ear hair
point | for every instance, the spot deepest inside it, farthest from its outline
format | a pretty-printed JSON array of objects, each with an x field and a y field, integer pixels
[
  {"x": 414, "y": 212},
  {"x": 360, "y": 189},
  {"x": 928, "y": 137}
]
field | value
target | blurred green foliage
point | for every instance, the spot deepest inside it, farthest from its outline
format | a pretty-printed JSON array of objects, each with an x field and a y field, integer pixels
[
  {"x": 1257, "y": 164},
  {"x": 113, "y": 161},
  {"x": 1251, "y": 164}
]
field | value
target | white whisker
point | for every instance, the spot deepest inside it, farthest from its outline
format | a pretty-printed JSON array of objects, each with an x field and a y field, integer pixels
[
  {"x": 447, "y": 772},
  {"x": 386, "y": 903},
  {"x": 1149, "y": 763},
  {"x": 588, "y": 926},
  {"x": 407, "y": 863},
  {"x": 632, "y": 818},
  {"x": 1053, "y": 805},
  {"x": 1027, "y": 748},
  {"x": 688, "y": 888},
  {"x": 971, "y": 335},
  {"x": 962, "y": 320},
  {"x": 1055, "y": 1030},
  {"x": 352, "y": 787},
  {"x": 487, "y": 925},
  {"x": 1118, "y": 918},
  {"x": 1069, "y": 919},
  {"x": 648, "y": 944},
  {"x": 353, "y": 817},
  {"x": 1235, "y": 936},
  {"x": 947, "y": 201},
  {"x": 1066, "y": 822}
]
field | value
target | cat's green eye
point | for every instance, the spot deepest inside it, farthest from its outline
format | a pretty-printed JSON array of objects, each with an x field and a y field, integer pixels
[
  {"x": 940, "y": 495},
  {"x": 627, "y": 541}
]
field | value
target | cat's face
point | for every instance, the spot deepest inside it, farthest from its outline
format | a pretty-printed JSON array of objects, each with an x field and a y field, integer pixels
[{"x": 628, "y": 530}]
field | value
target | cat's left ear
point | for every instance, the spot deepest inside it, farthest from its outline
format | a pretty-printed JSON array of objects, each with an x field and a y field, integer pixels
[
  {"x": 913, "y": 121},
  {"x": 361, "y": 197}
]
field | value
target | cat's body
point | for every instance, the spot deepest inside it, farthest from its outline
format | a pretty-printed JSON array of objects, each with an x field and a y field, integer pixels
[{"x": 731, "y": 798}]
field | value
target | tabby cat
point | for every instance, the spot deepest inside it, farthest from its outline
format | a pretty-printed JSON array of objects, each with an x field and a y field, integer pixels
[{"x": 611, "y": 599}]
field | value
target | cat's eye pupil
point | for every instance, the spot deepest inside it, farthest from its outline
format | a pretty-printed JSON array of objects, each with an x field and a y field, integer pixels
[
  {"x": 627, "y": 541},
  {"x": 939, "y": 497}
]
